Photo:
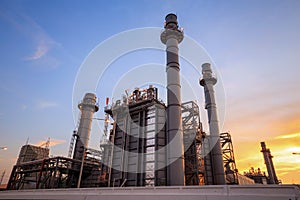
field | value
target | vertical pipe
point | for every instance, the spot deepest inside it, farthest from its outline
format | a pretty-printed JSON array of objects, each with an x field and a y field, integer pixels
[
  {"x": 208, "y": 82},
  {"x": 172, "y": 36}
]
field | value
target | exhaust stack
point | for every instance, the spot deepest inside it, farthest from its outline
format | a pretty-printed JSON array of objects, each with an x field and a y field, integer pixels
[
  {"x": 88, "y": 107},
  {"x": 171, "y": 37},
  {"x": 208, "y": 82},
  {"x": 269, "y": 164}
]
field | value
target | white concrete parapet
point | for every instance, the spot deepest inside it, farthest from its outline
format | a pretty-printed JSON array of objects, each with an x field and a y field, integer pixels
[{"x": 210, "y": 192}]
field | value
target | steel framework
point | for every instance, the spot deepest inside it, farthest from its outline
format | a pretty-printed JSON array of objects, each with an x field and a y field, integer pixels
[
  {"x": 192, "y": 137},
  {"x": 57, "y": 172},
  {"x": 231, "y": 172}
]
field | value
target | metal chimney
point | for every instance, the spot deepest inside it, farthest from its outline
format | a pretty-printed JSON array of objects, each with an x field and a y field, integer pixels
[
  {"x": 269, "y": 163},
  {"x": 87, "y": 107},
  {"x": 208, "y": 82},
  {"x": 172, "y": 36}
]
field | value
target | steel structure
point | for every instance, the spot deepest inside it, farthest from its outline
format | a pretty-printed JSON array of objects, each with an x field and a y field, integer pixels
[
  {"x": 171, "y": 37},
  {"x": 57, "y": 172},
  {"x": 208, "y": 81},
  {"x": 138, "y": 137},
  {"x": 231, "y": 172},
  {"x": 192, "y": 137},
  {"x": 272, "y": 179},
  {"x": 47, "y": 173}
]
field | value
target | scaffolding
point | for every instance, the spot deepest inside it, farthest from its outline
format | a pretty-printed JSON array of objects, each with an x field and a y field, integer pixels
[
  {"x": 192, "y": 137},
  {"x": 231, "y": 172}
]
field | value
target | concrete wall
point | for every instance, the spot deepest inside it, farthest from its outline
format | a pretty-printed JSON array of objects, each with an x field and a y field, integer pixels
[{"x": 212, "y": 192}]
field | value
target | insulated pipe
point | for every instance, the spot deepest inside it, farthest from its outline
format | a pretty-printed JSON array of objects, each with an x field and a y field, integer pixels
[
  {"x": 172, "y": 36},
  {"x": 208, "y": 82},
  {"x": 87, "y": 107}
]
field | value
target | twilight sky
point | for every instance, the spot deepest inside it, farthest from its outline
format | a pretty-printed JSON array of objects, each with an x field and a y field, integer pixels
[{"x": 254, "y": 44}]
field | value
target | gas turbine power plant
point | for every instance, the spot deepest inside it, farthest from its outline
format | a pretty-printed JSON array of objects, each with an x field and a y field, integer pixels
[{"x": 150, "y": 143}]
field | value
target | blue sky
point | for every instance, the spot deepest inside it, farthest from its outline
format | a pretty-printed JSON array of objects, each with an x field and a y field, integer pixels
[{"x": 255, "y": 45}]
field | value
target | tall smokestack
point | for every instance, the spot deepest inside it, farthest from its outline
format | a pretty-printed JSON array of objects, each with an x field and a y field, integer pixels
[
  {"x": 87, "y": 107},
  {"x": 269, "y": 163},
  {"x": 172, "y": 36},
  {"x": 208, "y": 82}
]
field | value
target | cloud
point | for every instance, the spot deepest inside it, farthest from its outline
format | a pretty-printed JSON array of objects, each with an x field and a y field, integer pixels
[
  {"x": 41, "y": 41},
  {"x": 46, "y": 104},
  {"x": 44, "y": 43},
  {"x": 288, "y": 136},
  {"x": 41, "y": 50},
  {"x": 53, "y": 142}
]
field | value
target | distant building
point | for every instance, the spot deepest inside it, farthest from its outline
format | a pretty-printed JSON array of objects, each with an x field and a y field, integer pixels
[{"x": 258, "y": 176}]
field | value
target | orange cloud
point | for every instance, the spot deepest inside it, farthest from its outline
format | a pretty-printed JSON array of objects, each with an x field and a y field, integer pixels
[
  {"x": 53, "y": 142},
  {"x": 287, "y": 136}
]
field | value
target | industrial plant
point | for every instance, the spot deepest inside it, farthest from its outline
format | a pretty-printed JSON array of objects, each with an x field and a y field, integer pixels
[{"x": 146, "y": 142}]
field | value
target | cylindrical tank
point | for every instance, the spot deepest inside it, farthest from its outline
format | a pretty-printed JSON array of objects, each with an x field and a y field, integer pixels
[
  {"x": 87, "y": 107},
  {"x": 208, "y": 81},
  {"x": 172, "y": 36}
]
